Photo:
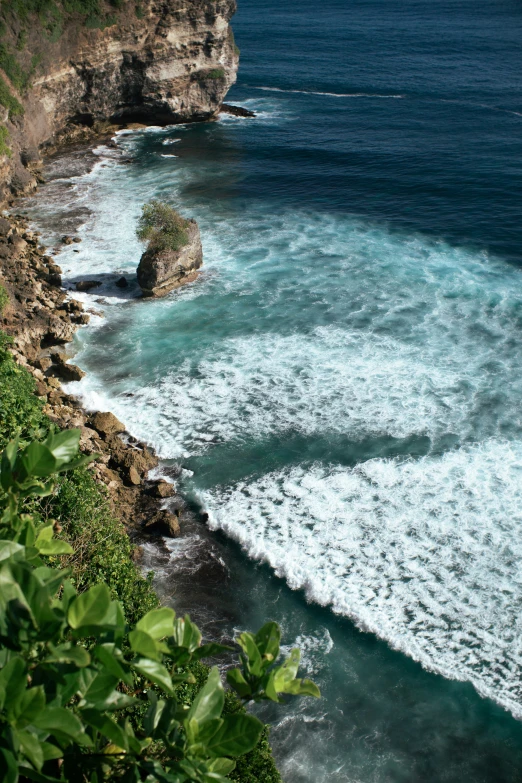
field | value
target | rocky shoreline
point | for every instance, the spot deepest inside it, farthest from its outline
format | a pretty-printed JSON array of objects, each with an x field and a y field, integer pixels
[{"x": 42, "y": 319}]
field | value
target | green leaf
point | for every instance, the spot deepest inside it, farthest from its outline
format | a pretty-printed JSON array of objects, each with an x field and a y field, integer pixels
[
  {"x": 155, "y": 672},
  {"x": 254, "y": 661},
  {"x": 239, "y": 734},
  {"x": 46, "y": 545},
  {"x": 207, "y": 650},
  {"x": 38, "y": 460},
  {"x": 63, "y": 724},
  {"x": 8, "y": 766},
  {"x": 64, "y": 445},
  {"x": 107, "y": 727},
  {"x": 102, "y": 694},
  {"x": 210, "y": 700},
  {"x": 107, "y": 654},
  {"x": 13, "y": 682},
  {"x": 143, "y": 644},
  {"x": 303, "y": 688},
  {"x": 284, "y": 675},
  {"x": 90, "y": 608},
  {"x": 29, "y": 706},
  {"x": 186, "y": 634},
  {"x": 158, "y": 623},
  {"x": 236, "y": 681},
  {"x": 68, "y": 653},
  {"x": 32, "y": 748},
  {"x": 268, "y": 640},
  {"x": 221, "y": 766},
  {"x": 9, "y": 549}
]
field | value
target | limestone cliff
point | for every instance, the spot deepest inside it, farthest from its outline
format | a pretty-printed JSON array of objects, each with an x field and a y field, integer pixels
[{"x": 160, "y": 61}]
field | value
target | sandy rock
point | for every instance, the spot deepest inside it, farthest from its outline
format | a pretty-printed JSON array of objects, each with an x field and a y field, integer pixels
[
  {"x": 162, "y": 489},
  {"x": 106, "y": 423},
  {"x": 134, "y": 476}
]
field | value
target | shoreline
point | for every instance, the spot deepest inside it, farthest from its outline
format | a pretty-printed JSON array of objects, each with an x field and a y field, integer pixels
[{"x": 42, "y": 318}]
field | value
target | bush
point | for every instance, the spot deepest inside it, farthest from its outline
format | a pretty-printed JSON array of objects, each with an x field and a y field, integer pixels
[
  {"x": 71, "y": 670},
  {"x": 20, "y": 410},
  {"x": 9, "y": 101},
  {"x": 102, "y": 548},
  {"x": 4, "y": 296},
  {"x": 5, "y": 149},
  {"x": 162, "y": 227},
  {"x": 217, "y": 73}
]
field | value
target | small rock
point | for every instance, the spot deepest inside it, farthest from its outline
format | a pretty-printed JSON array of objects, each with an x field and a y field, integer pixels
[
  {"x": 76, "y": 239},
  {"x": 106, "y": 423},
  {"x": 41, "y": 389},
  {"x": 67, "y": 240},
  {"x": 5, "y": 227},
  {"x": 134, "y": 476},
  {"x": 121, "y": 282},
  {"x": 87, "y": 285}
]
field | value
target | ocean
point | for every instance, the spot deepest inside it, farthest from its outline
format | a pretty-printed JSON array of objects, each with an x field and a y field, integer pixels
[{"x": 340, "y": 390}]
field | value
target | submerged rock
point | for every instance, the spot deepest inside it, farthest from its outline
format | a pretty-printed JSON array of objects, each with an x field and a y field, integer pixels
[{"x": 160, "y": 271}]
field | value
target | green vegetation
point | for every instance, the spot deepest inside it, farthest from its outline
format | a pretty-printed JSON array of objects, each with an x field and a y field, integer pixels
[
  {"x": 5, "y": 149},
  {"x": 140, "y": 13},
  {"x": 217, "y": 73},
  {"x": 162, "y": 227},
  {"x": 4, "y": 299},
  {"x": 72, "y": 672},
  {"x": 100, "y": 553},
  {"x": 9, "y": 101}
]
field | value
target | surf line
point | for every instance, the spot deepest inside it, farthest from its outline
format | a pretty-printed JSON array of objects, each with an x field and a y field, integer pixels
[{"x": 331, "y": 94}]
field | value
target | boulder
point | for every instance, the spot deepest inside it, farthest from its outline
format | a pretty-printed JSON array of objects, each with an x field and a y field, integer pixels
[
  {"x": 237, "y": 111},
  {"x": 121, "y": 282},
  {"x": 164, "y": 524},
  {"x": 67, "y": 372},
  {"x": 160, "y": 271},
  {"x": 106, "y": 423},
  {"x": 87, "y": 285},
  {"x": 162, "y": 489}
]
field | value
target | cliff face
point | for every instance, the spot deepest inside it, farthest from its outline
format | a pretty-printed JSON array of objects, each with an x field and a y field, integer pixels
[{"x": 173, "y": 63}]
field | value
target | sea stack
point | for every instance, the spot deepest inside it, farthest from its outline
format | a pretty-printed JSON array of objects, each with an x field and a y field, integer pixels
[{"x": 161, "y": 269}]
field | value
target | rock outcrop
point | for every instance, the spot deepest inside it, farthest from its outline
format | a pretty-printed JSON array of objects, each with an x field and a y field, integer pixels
[
  {"x": 160, "y": 271},
  {"x": 161, "y": 61}
]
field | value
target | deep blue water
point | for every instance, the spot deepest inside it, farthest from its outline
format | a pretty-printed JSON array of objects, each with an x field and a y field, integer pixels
[{"x": 341, "y": 388}]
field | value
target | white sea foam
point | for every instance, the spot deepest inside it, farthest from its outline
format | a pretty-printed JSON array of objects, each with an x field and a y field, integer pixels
[
  {"x": 425, "y": 553},
  {"x": 331, "y": 94}
]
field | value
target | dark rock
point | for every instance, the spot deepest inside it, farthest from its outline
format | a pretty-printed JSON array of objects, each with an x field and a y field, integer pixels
[
  {"x": 161, "y": 271},
  {"x": 164, "y": 524},
  {"x": 76, "y": 239},
  {"x": 67, "y": 240},
  {"x": 237, "y": 111},
  {"x": 121, "y": 282},
  {"x": 87, "y": 285},
  {"x": 67, "y": 372}
]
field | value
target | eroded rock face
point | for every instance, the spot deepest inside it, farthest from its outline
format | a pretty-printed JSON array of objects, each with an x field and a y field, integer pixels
[
  {"x": 174, "y": 63},
  {"x": 161, "y": 271}
]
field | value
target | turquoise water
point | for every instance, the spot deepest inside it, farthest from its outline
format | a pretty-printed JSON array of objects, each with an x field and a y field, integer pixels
[{"x": 340, "y": 390}]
